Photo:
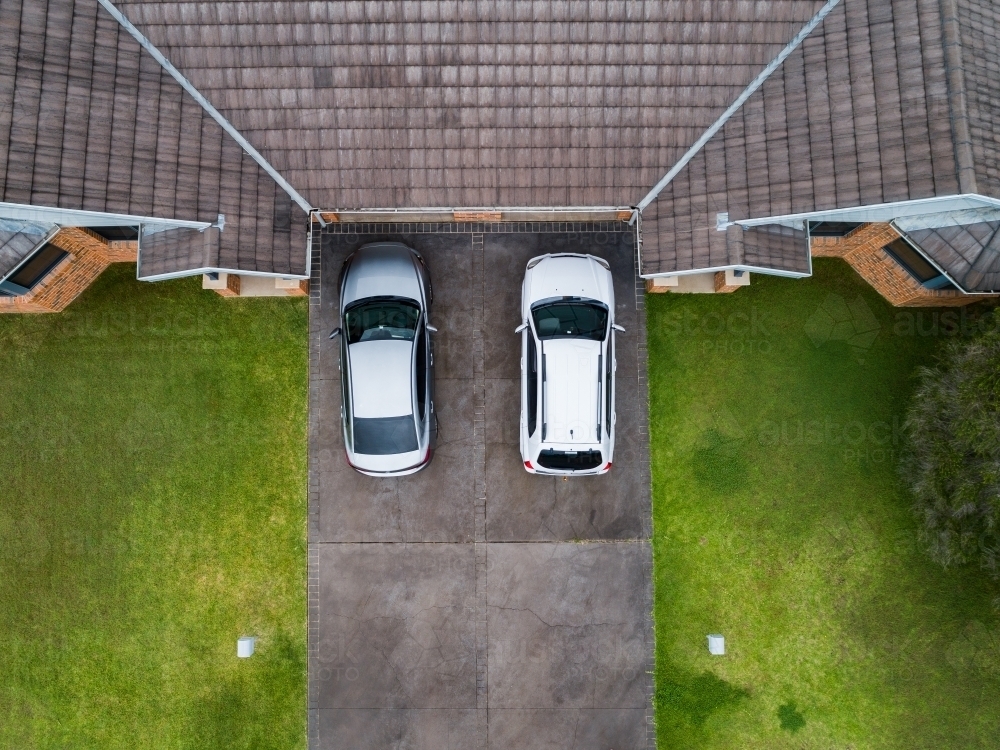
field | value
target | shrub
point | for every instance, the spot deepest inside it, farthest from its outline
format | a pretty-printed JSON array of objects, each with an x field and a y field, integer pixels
[{"x": 952, "y": 457}]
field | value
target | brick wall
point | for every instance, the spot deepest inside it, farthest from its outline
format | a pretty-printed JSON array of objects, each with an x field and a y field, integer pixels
[
  {"x": 232, "y": 288},
  {"x": 89, "y": 255},
  {"x": 862, "y": 248},
  {"x": 721, "y": 287}
]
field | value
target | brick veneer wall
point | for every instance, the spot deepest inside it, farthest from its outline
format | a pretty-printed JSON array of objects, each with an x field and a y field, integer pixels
[
  {"x": 721, "y": 287},
  {"x": 862, "y": 248},
  {"x": 232, "y": 287},
  {"x": 89, "y": 255}
]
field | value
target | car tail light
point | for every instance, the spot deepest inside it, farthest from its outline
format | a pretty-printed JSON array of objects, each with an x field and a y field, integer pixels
[
  {"x": 527, "y": 465},
  {"x": 608, "y": 467}
]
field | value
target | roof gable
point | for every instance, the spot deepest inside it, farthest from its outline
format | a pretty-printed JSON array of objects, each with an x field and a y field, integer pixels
[
  {"x": 88, "y": 120},
  {"x": 859, "y": 114}
]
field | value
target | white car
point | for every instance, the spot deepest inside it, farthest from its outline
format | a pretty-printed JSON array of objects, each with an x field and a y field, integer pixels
[
  {"x": 567, "y": 365},
  {"x": 386, "y": 361}
]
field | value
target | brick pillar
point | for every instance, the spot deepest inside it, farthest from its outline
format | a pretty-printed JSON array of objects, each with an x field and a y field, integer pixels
[
  {"x": 232, "y": 287},
  {"x": 728, "y": 281}
]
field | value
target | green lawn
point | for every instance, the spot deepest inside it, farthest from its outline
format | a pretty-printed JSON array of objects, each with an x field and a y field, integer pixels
[
  {"x": 780, "y": 522},
  {"x": 152, "y": 510}
]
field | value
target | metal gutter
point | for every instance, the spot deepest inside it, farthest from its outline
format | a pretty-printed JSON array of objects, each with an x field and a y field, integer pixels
[
  {"x": 81, "y": 218},
  {"x": 734, "y": 267},
  {"x": 888, "y": 211},
  {"x": 213, "y": 269},
  {"x": 755, "y": 84},
  {"x": 476, "y": 214},
  {"x": 206, "y": 105}
]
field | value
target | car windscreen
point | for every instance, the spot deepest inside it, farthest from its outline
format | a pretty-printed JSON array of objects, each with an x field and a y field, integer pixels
[
  {"x": 385, "y": 436},
  {"x": 571, "y": 319},
  {"x": 381, "y": 320}
]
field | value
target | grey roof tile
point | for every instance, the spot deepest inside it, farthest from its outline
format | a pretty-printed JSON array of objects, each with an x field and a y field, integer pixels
[
  {"x": 91, "y": 121},
  {"x": 364, "y": 104}
]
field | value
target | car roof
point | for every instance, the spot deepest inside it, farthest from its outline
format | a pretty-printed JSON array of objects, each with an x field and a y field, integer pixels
[{"x": 381, "y": 378}]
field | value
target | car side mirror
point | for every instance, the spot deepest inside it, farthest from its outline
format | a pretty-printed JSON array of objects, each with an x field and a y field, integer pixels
[
  {"x": 431, "y": 328},
  {"x": 521, "y": 328},
  {"x": 618, "y": 328},
  {"x": 336, "y": 332}
]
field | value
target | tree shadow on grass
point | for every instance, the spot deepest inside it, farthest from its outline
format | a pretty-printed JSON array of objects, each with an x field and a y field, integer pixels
[
  {"x": 687, "y": 701},
  {"x": 246, "y": 708},
  {"x": 790, "y": 717}
]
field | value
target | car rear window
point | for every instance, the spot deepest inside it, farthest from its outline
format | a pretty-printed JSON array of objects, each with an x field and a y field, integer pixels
[
  {"x": 571, "y": 319},
  {"x": 385, "y": 436},
  {"x": 567, "y": 461},
  {"x": 381, "y": 319}
]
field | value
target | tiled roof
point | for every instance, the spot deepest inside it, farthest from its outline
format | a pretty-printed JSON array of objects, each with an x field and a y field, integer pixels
[
  {"x": 88, "y": 120},
  {"x": 461, "y": 103},
  {"x": 407, "y": 103},
  {"x": 979, "y": 39},
  {"x": 970, "y": 254},
  {"x": 859, "y": 114},
  {"x": 14, "y": 247}
]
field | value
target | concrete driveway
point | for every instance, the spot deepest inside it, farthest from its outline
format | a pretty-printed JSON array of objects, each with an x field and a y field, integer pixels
[{"x": 474, "y": 605}]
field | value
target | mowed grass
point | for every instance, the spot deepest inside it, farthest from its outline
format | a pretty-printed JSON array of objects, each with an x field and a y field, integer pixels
[
  {"x": 780, "y": 522},
  {"x": 153, "y": 510}
]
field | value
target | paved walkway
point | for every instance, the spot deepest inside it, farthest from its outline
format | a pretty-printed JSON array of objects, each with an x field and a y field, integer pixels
[{"x": 474, "y": 605}]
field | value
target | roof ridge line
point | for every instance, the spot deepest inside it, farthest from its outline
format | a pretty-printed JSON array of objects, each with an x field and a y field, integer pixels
[
  {"x": 957, "y": 101},
  {"x": 206, "y": 105},
  {"x": 733, "y": 108}
]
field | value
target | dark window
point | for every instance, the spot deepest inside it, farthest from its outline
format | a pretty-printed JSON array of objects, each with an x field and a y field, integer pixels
[
  {"x": 571, "y": 318},
  {"x": 569, "y": 461},
  {"x": 33, "y": 270},
  {"x": 381, "y": 319},
  {"x": 385, "y": 436},
  {"x": 532, "y": 370},
  {"x": 421, "y": 372},
  {"x": 116, "y": 234},
  {"x": 917, "y": 265},
  {"x": 831, "y": 228}
]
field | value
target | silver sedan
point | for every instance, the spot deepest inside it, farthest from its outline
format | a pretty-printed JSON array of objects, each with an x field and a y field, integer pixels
[{"x": 386, "y": 360}]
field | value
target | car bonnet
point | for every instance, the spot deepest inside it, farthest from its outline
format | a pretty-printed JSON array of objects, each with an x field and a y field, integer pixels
[{"x": 381, "y": 271}]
